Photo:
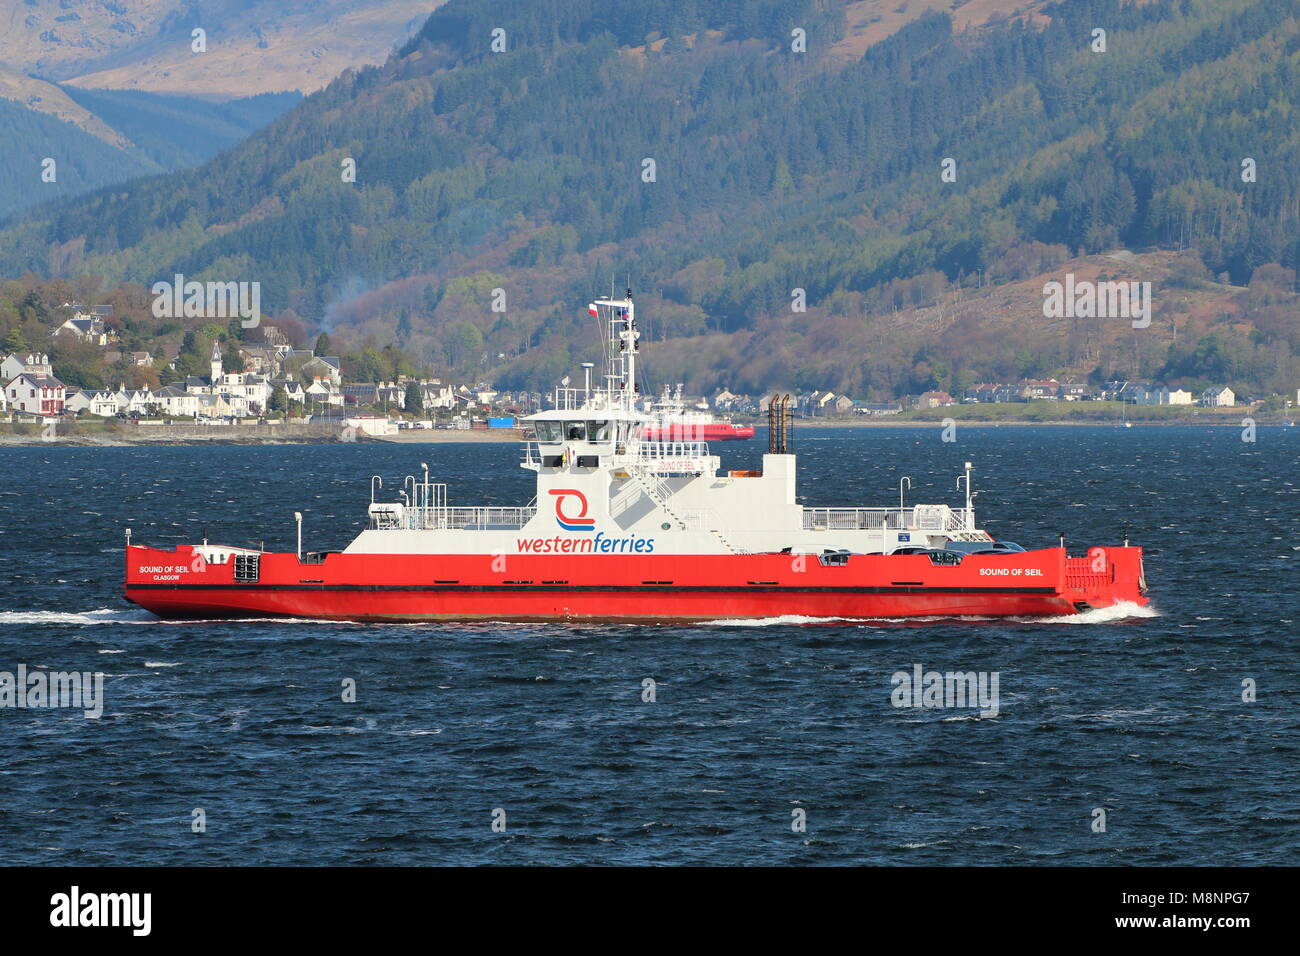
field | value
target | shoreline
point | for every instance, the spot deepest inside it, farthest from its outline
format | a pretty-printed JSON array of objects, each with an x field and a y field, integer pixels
[
  {"x": 477, "y": 436},
  {"x": 1218, "y": 420},
  {"x": 213, "y": 436}
]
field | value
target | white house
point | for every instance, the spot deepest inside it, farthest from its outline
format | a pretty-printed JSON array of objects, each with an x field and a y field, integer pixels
[
  {"x": 1144, "y": 394},
  {"x": 134, "y": 402},
  {"x": 214, "y": 406},
  {"x": 725, "y": 399},
  {"x": 816, "y": 402},
  {"x": 1175, "y": 396},
  {"x": 1135, "y": 393},
  {"x": 231, "y": 403},
  {"x": 34, "y": 363},
  {"x": 36, "y": 394},
  {"x": 252, "y": 392},
  {"x": 323, "y": 392},
  {"x": 78, "y": 399},
  {"x": 293, "y": 390},
  {"x": 11, "y": 367},
  {"x": 434, "y": 394},
  {"x": 1073, "y": 392},
  {"x": 1218, "y": 396},
  {"x": 175, "y": 400},
  {"x": 99, "y": 402}
]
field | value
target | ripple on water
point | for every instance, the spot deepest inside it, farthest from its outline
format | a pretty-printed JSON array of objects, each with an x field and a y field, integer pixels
[{"x": 1135, "y": 709}]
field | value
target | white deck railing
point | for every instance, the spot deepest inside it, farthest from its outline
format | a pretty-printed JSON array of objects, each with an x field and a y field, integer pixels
[
  {"x": 670, "y": 449},
  {"x": 487, "y": 518},
  {"x": 599, "y": 399},
  {"x": 856, "y": 519},
  {"x": 671, "y": 457},
  {"x": 921, "y": 518}
]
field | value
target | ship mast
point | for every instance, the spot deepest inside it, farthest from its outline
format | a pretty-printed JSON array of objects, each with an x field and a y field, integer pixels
[
  {"x": 629, "y": 336},
  {"x": 624, "y": 339}
]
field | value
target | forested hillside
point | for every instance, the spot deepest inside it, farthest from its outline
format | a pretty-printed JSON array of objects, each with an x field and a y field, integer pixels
[
  {"x": 142, "y": 134},
  {"x": 88, "y": 162},
  {"x": 773, "y": 170},
  {"x": 176, "y": 131}
]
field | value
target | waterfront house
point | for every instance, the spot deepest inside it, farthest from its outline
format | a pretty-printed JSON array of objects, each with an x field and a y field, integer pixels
[
  {"x": 1040, "y": 389},
  {"x": 933, "y": 400},
  {"x": 177, "y": 400},
  {"x": 1218, "y": 396},
  {"x": 36, "y": 394}
]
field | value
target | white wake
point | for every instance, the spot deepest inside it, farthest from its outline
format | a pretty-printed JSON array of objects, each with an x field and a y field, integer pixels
[
  {"x": 103, "y": 615},
  {"x": 1122, "y": 611}
]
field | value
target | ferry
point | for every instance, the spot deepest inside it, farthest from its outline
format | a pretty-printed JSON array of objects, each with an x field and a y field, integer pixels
[
  {"x": 626, "y": 527},
  {"x": 673, "y": 421}
]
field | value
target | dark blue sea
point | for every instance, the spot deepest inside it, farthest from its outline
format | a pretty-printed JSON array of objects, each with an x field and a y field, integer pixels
[{"x": 1141, "y": 717}]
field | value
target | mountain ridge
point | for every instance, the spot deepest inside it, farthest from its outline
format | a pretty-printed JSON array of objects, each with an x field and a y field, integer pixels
[{"x": 147, "y": 44}]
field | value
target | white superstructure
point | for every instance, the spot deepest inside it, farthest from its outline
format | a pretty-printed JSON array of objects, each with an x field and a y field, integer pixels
[{"x": 601, "y": 486}]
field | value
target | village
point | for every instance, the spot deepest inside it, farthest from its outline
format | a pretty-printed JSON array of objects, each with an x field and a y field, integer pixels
[
  {"x": 828, "y": 404},
  {"x": 275, "y": 382},
  {"x": 278, "y": 381}
]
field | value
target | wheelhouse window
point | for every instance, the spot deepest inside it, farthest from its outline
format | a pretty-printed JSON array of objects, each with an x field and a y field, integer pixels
[{"x": 549, "y": 433}]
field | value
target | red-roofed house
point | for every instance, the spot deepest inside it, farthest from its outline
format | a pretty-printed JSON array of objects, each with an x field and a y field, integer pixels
[{"x": 934, "y": 400}]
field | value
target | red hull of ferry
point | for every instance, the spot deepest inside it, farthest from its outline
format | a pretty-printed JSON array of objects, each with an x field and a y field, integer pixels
[
  {"x": 711, "y": 431},
  {"x": 417, "y": 587}
]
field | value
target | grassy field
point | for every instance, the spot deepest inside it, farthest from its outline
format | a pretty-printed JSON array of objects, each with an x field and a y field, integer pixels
[
  {"x": 86, "y": 429},
  {"x": 1080, "y": 412},
  {"x": 1056, "y": 413}
]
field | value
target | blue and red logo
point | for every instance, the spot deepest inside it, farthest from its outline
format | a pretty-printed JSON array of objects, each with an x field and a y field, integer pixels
[{"x": 579, "y": 522}]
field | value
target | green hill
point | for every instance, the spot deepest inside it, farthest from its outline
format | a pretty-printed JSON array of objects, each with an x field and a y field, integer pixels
[{"x": 774, "y": 170}]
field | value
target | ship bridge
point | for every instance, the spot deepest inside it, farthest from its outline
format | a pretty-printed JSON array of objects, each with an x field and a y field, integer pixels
[{"x": 572, "y": 440}]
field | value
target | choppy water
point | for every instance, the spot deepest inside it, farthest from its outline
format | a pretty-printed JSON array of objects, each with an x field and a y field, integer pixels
[{"x": 1142, "y": 717}]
